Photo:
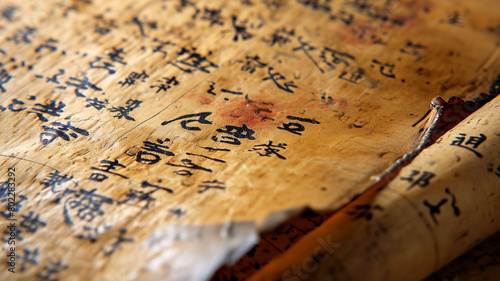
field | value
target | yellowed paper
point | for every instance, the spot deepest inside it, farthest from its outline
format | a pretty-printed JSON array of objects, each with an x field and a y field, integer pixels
[{"x": 158, "y": 129}]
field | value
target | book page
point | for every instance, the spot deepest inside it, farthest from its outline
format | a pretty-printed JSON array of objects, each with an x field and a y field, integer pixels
[{"x": 157, "y": 139}]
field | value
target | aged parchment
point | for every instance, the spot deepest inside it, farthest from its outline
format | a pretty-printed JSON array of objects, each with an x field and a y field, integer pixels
[
  {"x": 155, "y": 139},
  {"x": 438, "y": 207}
]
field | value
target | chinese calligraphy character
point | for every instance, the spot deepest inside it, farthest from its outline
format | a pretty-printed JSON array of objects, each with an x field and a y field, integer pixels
[
  {"x": 206, "y": 157},
  {"x": 276, "y": 77},
  {"x": 178, "y": 212},
  {"x": 116, "y": 55},
  {"x": 4, "y": 78},
  {"x": 48, "y": 108},
  {"x": 295, "y": 127},
  {"x": 107, "y": 167},
  {"x": 190, "y": 165},
  {"x": 52, "y": 270},
  {"x": 152, "y": 149},
  {"x": 55, "y": 179},
  {"x": 242, "y": 132},
  {"x": 435, "y": 209},
  {"x": 422, "y": 180},
  {"x": 365, "y": 211},
  {"x": 96, "y": 103},
  {"x": 213, "y": 16},
  {"x": 252, "y": 63},
  {"x": 22, "y": 35},
  {"x": 355, "y": 75},
  {"x": 134, "y": 76},
  {"x": 315, "y": 4},
  {"x": 333, "y": 58},
  {"x": 54, "y": 133},
  {"x": 82, "y": 84},
  {"x": 88, "y": 204},
  {"x": 8, "y": 12},
  {"x": 124, "y": 111},
  {"x": 139, "y": 195},
  {"x": 28, "y": 257},
  {"x": 280, "y": 37},
  {"x": 139, "y": 23},
  {"x": 346, "y": 17},
  {"x": 32, "y": 223},
  {"x": 53, "y": 79},
  {"x": 106, "y": 65},
  {"x": 104, "y": 26},
  {"x": 412, "y": 49},
  {"x": 47, "y": 45},
  {"x": 164, "y": 86},
  {"x": 306, "y": 47},
  {"x": 159, "y": 48},
  {"x": 92, "y": 233},
  {"x": 240, "y": 30},
  {"x": 190, "y": 61},
  {"x": 471, "y": 144},
  {"x": 211, "y": 184},
  {"x": 120, "y": 238},
  {"x": 385, "y": 69},
  {"x": 14, "y": 103}
]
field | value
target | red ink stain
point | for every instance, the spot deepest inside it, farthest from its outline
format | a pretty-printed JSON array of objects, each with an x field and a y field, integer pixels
[
  {"x": 205, "y": 101},
  {"x": 255, "y": 113},
  {"x": 237, "y": 113}
]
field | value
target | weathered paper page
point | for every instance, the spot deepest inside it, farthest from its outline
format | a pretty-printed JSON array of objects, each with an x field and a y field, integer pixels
[{"x": 155, "y": 139}]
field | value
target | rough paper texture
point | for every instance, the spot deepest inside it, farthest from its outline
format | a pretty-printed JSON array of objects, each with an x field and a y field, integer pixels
[{"x": 126, "y": 120}]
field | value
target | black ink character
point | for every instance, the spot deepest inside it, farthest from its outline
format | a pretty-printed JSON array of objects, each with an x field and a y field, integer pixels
[
  {"x": 275, "y": 77},
  {"x": 269, "y": 149},
  {"x": 124, "y": 111},
  {"x": 201, "y": 119},
  {"x": 211, "y": 184},
  {"x": 107, "y": 167},
  {"x": 236, "y": 132},
  {"x": 60, "y": 132},
  {"x": 471, "y": 144}
]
